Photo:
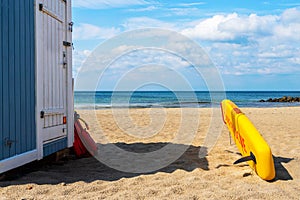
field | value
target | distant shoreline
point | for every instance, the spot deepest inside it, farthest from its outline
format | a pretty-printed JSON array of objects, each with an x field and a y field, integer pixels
[{"x": 168, "y": 99}]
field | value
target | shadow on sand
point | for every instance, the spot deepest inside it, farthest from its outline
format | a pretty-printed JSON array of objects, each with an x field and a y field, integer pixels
[
  {"x": 281, "y": 172},
  {"x": 90, "y": 169}
]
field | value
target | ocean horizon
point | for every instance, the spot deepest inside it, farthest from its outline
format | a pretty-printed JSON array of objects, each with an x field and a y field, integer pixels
[{"x": 178, "y": 99}]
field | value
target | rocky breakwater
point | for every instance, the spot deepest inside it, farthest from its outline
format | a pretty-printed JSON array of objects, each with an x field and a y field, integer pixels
[{"x": 282, "y": 99}]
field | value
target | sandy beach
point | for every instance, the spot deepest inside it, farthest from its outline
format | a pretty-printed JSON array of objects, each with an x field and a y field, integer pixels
[{"x": 188, "y": 177}]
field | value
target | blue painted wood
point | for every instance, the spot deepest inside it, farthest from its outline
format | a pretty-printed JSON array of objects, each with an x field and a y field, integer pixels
[
  {"x": 27, "y": 74},
  {"x": 4, "y": 67},
  {"x": 11, "y": 80},
  {"x": 1, "y": 85},
  {"x": 22, "y": 71},
  {"x": 32, "y": 75},
  {"x": 55, "y": 146},
  {"x": 17, "y": 78},
  {"x": 17, "y": 75}
]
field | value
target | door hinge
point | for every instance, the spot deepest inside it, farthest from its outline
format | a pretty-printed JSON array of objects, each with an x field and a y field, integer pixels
[
  {"x": 65, "y": 59},
  {"x": 41, "y": 6},
  {"x": 67, "y": 44},
  {"x": 42, "y": 114},
  {"x": 71, "y": 26}
]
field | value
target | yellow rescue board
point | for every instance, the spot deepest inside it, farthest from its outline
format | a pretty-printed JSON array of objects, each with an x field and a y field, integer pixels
[{"x": 248, "y": 140}]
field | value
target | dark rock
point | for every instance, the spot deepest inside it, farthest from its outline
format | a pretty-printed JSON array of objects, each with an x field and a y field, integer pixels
[
  {"x": 289, "y": 99},
  {"x": 282, "y": 99}
]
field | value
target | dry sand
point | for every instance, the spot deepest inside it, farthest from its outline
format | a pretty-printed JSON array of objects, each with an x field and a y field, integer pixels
[{"x": 189, "y": 177}]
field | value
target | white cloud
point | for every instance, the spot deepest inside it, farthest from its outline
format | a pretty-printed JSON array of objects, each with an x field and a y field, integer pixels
[
  {"x": 102, "y": 4},
  {"x": 149, "y": 8},
  {"x": 78, "y": 59},
  {"x": 251, "y": 44},
  {"x": 290, "y": 15},
  {"x": 288, "y": 31},
  {"x": 209, "y": 29},
  {"x": 237, "y": 44},
  {"x": 141, "y": 57},
  {"x": 188, "y": 11},
  {"x": 248, "y": 25},
  {"x": 233, "y": 26},
  {"x": 146, "y": 22},
  {"x": 146, "y": 66},
  {"x": 89, "y": 31}
]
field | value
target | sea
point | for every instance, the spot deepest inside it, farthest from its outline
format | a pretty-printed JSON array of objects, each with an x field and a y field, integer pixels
[{"x": 177, "y": 99}]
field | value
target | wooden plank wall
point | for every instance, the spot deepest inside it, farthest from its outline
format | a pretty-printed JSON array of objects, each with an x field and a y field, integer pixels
[{"x": 17, "y": 77}]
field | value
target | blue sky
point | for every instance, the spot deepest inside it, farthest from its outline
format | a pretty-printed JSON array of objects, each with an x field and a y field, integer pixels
[{"x": 255, "y": 45}]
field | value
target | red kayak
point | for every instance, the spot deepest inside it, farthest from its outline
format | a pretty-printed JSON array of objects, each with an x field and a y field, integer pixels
[{"x": 84, "y": 145}]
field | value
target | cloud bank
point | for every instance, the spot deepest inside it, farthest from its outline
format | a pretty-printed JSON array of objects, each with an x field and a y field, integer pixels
[{"x": 238, "y": 44}]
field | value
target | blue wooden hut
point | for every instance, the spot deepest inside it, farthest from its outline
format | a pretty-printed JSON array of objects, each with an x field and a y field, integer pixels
[{"x": 36, "y": 95}]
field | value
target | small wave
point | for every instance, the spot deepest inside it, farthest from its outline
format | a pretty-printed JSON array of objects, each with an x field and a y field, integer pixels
[{"x": 144, "y": 105}]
